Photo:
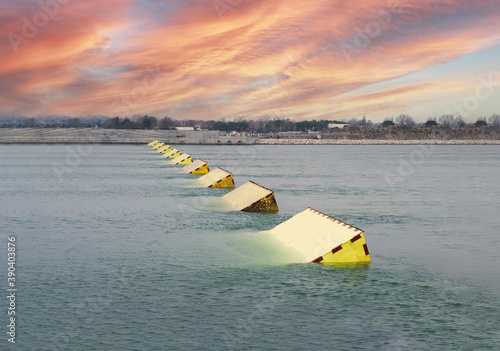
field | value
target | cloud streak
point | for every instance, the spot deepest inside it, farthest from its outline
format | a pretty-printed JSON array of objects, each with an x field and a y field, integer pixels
[{"x": 258, "y": 57}]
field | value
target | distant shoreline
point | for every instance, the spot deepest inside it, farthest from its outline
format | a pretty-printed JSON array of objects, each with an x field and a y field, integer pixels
[
  {"x": 211, "y": 137},
  {"x": 375, "y": 142},
  {"x": 279, "y": 142}
]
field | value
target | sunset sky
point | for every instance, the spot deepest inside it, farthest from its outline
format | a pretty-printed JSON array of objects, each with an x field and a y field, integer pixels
[{"x": 212, "y": 59}]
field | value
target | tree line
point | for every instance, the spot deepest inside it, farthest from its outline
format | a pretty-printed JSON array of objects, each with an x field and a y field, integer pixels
[{"x": 263, "y": 125}]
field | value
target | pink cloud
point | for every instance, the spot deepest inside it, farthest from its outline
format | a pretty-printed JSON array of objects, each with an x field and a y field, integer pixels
[{"x": 248, "y": 59}]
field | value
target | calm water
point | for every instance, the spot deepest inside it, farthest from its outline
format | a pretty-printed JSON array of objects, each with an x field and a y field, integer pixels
[{"x": 119, "y": 250}]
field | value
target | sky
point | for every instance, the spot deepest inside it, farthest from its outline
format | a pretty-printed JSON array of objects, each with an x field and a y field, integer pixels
[{"x": 224, "y": 59}]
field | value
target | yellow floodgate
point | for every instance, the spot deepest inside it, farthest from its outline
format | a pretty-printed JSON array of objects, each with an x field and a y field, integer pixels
[
  {"x": 165, "y": 149},
  {"x": 197, "y": 167},
  {"x": 153, "y": 143},
  {"x": 172, "y": 153},
  {"x": 218, "y": 178},
  {"x": 183, "y": 159},
  {"x": 159, "y": 146},
  {"x": 251, "y": 197},
  {"x": 321, "y": 238}
]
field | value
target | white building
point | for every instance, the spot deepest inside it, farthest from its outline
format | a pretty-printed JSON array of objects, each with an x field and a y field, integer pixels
[{"x": 337, "y": 125}]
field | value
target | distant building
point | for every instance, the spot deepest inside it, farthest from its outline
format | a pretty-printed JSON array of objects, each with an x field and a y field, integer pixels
[
  {"x": 337, "y": 125},
  {"x": 184, "y": 128}
]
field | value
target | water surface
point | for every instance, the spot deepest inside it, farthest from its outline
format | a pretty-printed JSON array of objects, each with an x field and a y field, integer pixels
[{"x": 118, "y": 249}]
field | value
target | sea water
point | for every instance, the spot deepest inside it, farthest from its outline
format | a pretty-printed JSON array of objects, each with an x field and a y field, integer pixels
[{"x": 118, "y": 249}]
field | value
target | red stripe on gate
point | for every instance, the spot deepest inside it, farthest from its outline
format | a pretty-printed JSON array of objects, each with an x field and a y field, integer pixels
[
  {"x": 366, "y": 249},
  {"x": 357, "y": 237},
  {"x": 337, "y": 249}
]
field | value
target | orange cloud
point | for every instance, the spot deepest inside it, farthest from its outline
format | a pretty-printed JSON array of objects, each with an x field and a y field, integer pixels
[{"x": 197, "y": 61}]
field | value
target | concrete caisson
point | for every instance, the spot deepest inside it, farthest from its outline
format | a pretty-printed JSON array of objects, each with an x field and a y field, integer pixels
[
  {"x": 197, "y": 167},
  {"x": 320, "y": 238},
  {"x": 218, "y": 178},
  {"x": 172, "y": 153},
  {"x": 251, "y": 197},
  {"x": 165, "y": 149},
  {"x": 183, "y": 159}
]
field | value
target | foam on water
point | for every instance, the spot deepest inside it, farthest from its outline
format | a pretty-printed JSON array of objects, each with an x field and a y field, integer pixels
[{"x": 118, "y": 251}]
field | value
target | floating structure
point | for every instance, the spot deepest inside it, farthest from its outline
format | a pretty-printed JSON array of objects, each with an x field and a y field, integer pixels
[
  {"x": 197, "y": 167},
  {"x": 172, "y": 153},
  {"x": 165, "y": 149},
  {"x": 183, "y": 159},
  {"x": 154, "y": 142},
  {"x": 251, "y": 197},
  {"x": 321, "y": 238},
  {"x": 218, "y": 178},
  {"x": 159, "y": 146}
]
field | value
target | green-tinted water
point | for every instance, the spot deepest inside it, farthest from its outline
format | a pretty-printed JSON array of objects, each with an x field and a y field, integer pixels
[{"x": 119, "y": 250}]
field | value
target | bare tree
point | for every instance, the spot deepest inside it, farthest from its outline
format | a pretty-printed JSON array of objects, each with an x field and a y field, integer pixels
[
  {"x": 459, "y": 122},
  {"x": 494, "y": 120},
  {"x": 447, "y": 120},
  {"x": 406, "y": 120},
  {"x": 353, "y": 122}
]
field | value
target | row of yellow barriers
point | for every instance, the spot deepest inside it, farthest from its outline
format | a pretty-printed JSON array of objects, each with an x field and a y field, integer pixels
[{"x": 317, "y": 236}]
